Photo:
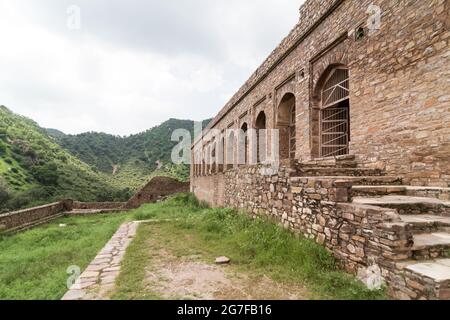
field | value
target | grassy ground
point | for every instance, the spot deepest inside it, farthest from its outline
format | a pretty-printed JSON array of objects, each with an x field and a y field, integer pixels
[
  {"x": 33, "y": 264},
  {"x": 256, "y": 247}
]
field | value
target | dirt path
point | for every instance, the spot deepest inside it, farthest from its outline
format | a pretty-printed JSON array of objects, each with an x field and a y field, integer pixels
[{"x": 171, "y": 277}]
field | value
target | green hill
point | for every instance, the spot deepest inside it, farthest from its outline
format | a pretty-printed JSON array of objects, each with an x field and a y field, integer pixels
[
  {"x": 130, "y": 160},
  {"x": 35, "y": 169}
]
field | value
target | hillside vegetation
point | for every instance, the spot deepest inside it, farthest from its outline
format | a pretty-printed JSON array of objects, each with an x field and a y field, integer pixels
[
  {"x": 34, "y": 169},
  {"x": 130, "y": 160}
]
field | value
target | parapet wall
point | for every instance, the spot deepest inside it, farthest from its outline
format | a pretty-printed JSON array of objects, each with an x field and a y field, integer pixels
[
  {"x": 98, "y": 205},
  {"x": 27, "y": 218}
]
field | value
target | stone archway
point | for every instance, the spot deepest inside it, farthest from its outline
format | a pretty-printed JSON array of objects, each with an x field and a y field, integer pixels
[
  {"x": 261, "y": 138},
  {"x": 330, "y": 125},
  {"x": 286, "y": 124},
  {"x": 243, "y": 144},
  {"x": 230, "y": 150}
]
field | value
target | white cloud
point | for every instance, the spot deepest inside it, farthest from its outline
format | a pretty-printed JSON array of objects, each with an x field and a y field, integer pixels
[{"x": 117, "y": 76}]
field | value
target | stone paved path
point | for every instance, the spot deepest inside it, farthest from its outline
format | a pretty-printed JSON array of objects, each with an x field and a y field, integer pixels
[{"x": 99, "y": 277}]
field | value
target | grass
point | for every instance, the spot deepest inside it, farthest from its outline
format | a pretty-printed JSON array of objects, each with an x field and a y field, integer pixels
[
  {"x": 33, "y": 264},
  {"x": 255, "y": 247},
  {"x": 131, "y": 278}
]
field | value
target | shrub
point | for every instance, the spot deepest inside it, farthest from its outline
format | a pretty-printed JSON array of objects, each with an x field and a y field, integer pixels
[
  {"x": 2, "y": 148},
  {"x": 47, "y": 174},
  {"x": 3, "y": 133},
  {"x": 4, "y": 193}
]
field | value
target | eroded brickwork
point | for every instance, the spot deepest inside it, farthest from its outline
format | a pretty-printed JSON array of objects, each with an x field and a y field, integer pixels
[
  {"x": 395, "y": 86},
  {"x": 399, "y": 88}
]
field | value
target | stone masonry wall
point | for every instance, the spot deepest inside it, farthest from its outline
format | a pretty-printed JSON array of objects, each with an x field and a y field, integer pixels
[
  {"x": 157, "y": 189},
  {"x": 97, "y": 205},
  {"x": 319, "y": 208},
  {"x": 18, "y": 220},
  {"x": 360, "y": 237},
  {"x": 399, "y": 93}
]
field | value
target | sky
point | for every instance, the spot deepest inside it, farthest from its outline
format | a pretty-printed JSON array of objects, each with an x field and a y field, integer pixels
[{"x": 122, "y": 67}]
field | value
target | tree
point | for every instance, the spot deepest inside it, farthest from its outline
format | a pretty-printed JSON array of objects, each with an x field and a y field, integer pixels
[
  {"x": 2, "y": 148},
  {"x": 4, "y": 193},
  {"x": 47, "y": 174}
]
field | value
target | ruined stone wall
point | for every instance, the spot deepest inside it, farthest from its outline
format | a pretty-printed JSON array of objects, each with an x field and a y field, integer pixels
[
  {"x": 97, "y": 205},
  {"x": 27, "y": 218},
  {"x": 358, "y": 236},
  {"x": 319, "y": 208},
  {"x": 157, "y": 189},
  {"x": 399, "y": 93},
  {"x": 210, "y": 189}
]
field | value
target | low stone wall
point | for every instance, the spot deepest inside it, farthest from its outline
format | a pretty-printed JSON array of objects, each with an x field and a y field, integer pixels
[
  {"x": 358, "y": 236},
  {"x": 362, "y": 238},
  {"x": 98, "y": 205},
  {"x": 156, "y": 190},
  {"x": 27, "y": 218}
]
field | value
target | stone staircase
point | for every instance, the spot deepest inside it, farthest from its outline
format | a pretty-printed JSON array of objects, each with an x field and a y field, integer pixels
[
  {"x": 428, "y": 267},
  {"x": 426, "y": 210}
]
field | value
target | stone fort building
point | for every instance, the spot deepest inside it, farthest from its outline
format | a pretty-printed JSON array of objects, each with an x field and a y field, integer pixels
[{"x": 359, "y": 93}]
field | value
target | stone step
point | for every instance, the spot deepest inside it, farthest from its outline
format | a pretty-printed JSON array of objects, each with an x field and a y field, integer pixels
[
  {"x": 413, "y": 191},
  {"x": 427, "y": 223},
  {"x": 431, "y": 246},
  {"x": 315, "y": 164},
  {"x": 408, "y": 205},
  {"x": 334, "y": 162},
  {"x": 429, "y": 279},
  {"x": 431, "y": 192},
  {"x": 380, "y": 190},
  {"x": 352, "y": 172}
]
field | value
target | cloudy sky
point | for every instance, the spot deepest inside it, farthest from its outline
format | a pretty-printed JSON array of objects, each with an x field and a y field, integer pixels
[{"x": 127, "y": 65}]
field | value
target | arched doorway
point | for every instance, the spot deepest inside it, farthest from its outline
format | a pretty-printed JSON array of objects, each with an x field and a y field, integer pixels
[
  {"x": 286, "y": 119},
  {"x": 260, "y": 126},
  {"x": 221, "y": 154},
  {"x": 333, "y": 103},
  {"x": 214, "y": 158},
  {"x": 243, "y": 144},
  {"x": 230, "y": 151}
]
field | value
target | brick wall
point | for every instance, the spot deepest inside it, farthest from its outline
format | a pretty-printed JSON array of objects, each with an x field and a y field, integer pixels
[
  {"x": 23, "y": 219},
  {"x": 157, "y": 189},
  {"x": 358, "y": 236},
  {"x": 97, "y": 205},
  {"x": 399, "y": 93}
]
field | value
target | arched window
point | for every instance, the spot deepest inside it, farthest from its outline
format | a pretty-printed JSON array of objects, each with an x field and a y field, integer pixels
[
  {"x": 221, "y": 154},
  {"x": 335, "y": 112},
  {"x": 243, "y": 144},
  {"x": 286, "y": 123},
  {"x": 260, "y": 126},
  {"x": 195, "y": 164},
  {"x": 213, "y": 158},
  {"x": 230, "y": 150}
]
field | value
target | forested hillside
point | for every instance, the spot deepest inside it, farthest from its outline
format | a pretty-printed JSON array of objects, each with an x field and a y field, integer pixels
[
  {"x": 40, "y": 165},
  {"x": 35, "y": 169},
  {"x": 129, "y": 159}
]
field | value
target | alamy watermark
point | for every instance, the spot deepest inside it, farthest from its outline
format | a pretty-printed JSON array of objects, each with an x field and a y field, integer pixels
[
  {"x": 213, "y": 148},
  {"x": 74, "y": 273},
  {"x": 374, "y": 20},
  {"x": 73, "y": 18}
]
